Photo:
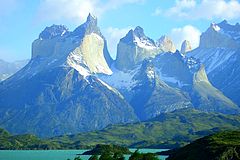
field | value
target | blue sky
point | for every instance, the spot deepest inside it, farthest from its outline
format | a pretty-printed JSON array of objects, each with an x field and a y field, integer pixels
[{"x": 21, "y": 21}]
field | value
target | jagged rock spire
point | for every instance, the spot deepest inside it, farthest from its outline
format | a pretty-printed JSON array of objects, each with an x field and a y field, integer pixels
[
  {"x": 186, "y": 47},
  {"x": 166, "y": 44},
  {"x": 90, "y": 26}
]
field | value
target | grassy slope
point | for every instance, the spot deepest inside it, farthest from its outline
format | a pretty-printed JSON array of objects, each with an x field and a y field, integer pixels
[
  {"x": 168, "y": 130},
  {"x": 220, "y": 146},
  {"x": 24, "y": 142}
]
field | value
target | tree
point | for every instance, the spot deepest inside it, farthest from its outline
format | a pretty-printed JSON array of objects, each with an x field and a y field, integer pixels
[
  {"x": 77, "y": 158},
  {"x": 143, "y": 156},
  {"x": 136, "y": 156},
  {"x": 118, "y": 156},
  {"x": 106, "y": 156}
]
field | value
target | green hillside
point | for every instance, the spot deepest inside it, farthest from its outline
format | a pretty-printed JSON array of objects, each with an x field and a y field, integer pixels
[
  {"x": 168, "y": 130},
  {"x": 220, "y": 146},
  {"x": 23, "y": 142}
]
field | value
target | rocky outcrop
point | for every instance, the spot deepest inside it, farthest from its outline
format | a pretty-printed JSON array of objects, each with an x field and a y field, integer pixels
[
  {"x": 186, "y": 47},
  {"x": 57, "y": 92},
  {"x": 218, "y": 35},
  {"x": 152, "y": 96},
  {"x": 85, "y": 45},
  {"x": 166, "y": 44},
  {"x": 134, "y": 48},
  {"x": 209, "y": 98},
  {"x": 219, "y": 52}
]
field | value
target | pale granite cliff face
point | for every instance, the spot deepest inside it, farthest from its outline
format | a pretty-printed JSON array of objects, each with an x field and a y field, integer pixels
[
  {"x": 134, "y": 48},
  {"x": 186, "y": 47},
  {"x": 57, "y": 92},
  {"x": 85, "y": 47},
  {"x": 166, "y": 44},
  {"x": 212, "y": 100},
  {"x": 90, "y": 53},
  {"x": 70, "y": 86}
]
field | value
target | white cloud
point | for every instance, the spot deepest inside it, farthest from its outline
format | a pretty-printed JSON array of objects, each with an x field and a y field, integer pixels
[
  {"x": 74, "y": 10},
  {"x": 187, "y": 32},
  {"x": 113, "y": 35},
  {"x": 181, "y": 7},
  {"x": 217, "y": 9},
  {"x": 205, "y": 9},
  {"x": 77, "y": 10}
]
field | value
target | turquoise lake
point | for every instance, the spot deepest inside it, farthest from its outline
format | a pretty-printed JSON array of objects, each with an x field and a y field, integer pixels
[{"x": 55, "y": 154}]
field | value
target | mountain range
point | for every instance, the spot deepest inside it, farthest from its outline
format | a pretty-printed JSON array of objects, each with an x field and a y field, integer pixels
[
  {"x": 9, "y": 68},
  {"x": 71, "y": 84}
]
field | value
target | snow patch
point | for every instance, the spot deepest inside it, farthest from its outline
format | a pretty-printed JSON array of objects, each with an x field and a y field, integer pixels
[
  {"x": 216, "y": 27},
  {"x": 111, "y": 88},
  {"x": 54, "y": 60},
  {"x": 63, "y": 33},
  {"x": 77, "y": 63},
  {"x": 212, "y": 58},
  {"x": 120, "y": 79},
  {"x": 150, "y": 74},
  {"x": 168, "y": 79},
  {"x": 144, "y": 43}
]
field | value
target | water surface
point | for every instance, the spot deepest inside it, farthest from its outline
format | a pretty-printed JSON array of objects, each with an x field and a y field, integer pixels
[{"x": 55, "y": 154}]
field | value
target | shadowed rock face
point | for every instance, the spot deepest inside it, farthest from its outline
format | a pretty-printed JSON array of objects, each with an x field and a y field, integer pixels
[
  {"x": 69, "y": 86},
  {"x": 219, "y": 52},
  {"x": 168, "y": 82},
  {"x": 221, "y": 35},
  {"x": 56, "y": 93},
  {"x": 211, "y": 99}
]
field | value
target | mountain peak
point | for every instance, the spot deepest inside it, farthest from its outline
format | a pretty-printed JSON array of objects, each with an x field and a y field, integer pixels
[
  {"x": 222, "y": 35},
  {"x": 53, "y": 31},
  {"x": 138, "y": 37},
  {"x": 139, "y": 32},
  {"x": 134, "y": 48},
  {"x": 215, "y": 27},
  {"x": 92, "y": 19},
  {"x": 90, "y": 26},
  {"x": 186, "y": 47},
  {"x": 165, "y": 43},
  {"x": 224, "y": 22},
  {"x": 164, "y": 38}
]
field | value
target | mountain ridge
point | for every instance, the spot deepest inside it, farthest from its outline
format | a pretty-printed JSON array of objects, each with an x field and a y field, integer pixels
[{"x": 72, "y": 85}]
